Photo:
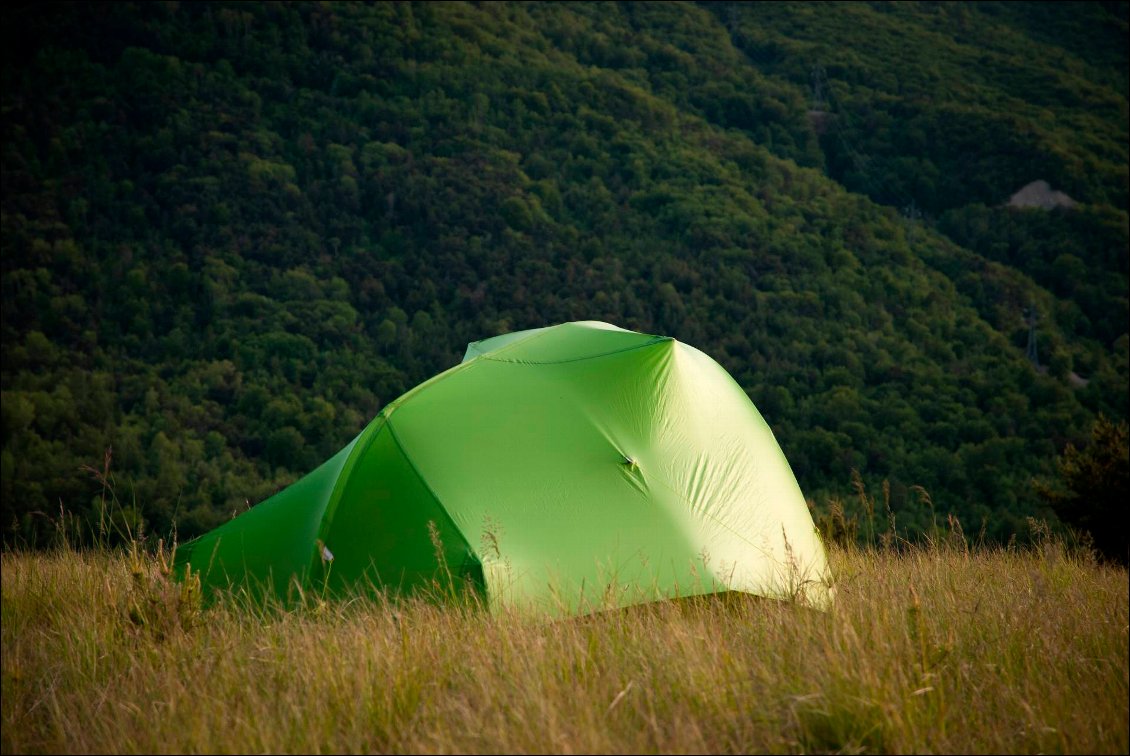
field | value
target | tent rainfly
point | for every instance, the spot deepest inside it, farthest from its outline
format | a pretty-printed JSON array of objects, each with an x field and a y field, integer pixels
[{"x": 560, "y": 470}]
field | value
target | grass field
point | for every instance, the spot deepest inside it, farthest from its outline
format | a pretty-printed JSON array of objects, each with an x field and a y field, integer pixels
[{"x": 940, "y": 649}]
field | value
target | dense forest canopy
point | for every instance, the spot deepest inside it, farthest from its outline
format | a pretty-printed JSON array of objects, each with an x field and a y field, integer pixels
[{"x": 233, "y": 231}]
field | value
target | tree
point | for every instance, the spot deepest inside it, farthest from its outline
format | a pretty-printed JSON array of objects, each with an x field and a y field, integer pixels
[{"x": 1093, "y": 483}]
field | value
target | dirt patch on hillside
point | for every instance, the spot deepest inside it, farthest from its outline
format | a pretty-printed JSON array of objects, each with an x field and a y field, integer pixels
[{"x": 1040, "y": 194}]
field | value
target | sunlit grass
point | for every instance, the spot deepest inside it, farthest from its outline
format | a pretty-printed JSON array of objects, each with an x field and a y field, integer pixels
[{"x": 936, "y": 649}]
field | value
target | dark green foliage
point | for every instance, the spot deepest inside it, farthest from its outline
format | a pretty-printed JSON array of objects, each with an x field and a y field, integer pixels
[
  {"x": 1092, "y": 489},
  {"x": 233, "y": 231}
]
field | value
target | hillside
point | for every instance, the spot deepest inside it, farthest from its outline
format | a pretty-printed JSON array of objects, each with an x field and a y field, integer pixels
[{"x": 233, "y": 231}]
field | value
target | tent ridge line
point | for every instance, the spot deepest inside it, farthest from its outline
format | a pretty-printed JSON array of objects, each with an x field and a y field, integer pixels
[
  {"x": 401, "y": 400},
  {"x": 373, "y": 430},
  {"x": 427, "y": 487},
  {"x": 535, "y": 334},
  {"x": 656, "y": 340}
]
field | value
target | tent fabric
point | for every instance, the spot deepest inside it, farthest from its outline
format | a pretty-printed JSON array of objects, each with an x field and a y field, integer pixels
[{"x": 562, "y": 469}]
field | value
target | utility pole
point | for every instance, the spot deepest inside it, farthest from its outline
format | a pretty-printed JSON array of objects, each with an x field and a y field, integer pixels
[
  {"x": 1030, "y": 319},
  {"x": 818, "y": 79}
]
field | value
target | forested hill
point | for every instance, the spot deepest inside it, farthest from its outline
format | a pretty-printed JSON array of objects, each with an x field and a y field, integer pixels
[{"x": 233, "y": 231}]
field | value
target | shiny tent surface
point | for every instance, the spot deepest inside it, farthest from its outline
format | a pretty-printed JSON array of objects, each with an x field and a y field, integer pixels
[{"x": 561, "y": 470}]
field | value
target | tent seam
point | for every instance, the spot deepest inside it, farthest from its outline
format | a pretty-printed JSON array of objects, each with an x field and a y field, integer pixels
[
  {"x": 428, "y": 488},
  {"x": 537, "y": 333},
  {"x": 652, "y": 342},
  {"x": 342, "y": 480}
]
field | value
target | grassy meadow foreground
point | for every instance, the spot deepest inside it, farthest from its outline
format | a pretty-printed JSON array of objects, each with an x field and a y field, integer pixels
[{"x": 940, "y": 649}]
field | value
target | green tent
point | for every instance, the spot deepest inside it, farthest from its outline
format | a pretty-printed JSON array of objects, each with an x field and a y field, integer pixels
[{"x": 561, "y": 469}]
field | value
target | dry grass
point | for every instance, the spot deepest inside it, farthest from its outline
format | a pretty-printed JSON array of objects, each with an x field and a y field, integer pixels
[{"x": 929, "y": 650}]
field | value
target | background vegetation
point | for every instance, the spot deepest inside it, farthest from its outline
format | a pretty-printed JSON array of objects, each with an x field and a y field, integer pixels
[
  {"x": 233, "y": 231},
  {"x": 932, "y": 649}
]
